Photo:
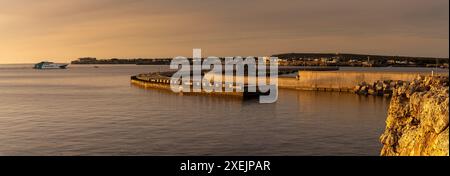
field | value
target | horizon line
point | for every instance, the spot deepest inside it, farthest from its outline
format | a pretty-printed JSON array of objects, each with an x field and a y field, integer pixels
[{"x": 337, "y": 53}]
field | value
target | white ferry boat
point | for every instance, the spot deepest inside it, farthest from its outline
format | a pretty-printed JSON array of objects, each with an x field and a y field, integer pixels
[{"x": 49, "y": 65}]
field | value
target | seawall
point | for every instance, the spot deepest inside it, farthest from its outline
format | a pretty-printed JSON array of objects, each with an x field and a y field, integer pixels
[
  {"x": 156, "y": 81},
  {"x": 342, "y": 80}
]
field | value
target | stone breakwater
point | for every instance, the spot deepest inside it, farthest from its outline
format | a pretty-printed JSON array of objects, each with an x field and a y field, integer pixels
[
  {"x": 418, "y": 117},
  {"x": 344, "y": 81},
  {"x": 379, "y": 88}
]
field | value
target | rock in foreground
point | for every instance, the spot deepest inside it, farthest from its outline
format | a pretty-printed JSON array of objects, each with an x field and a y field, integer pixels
[{"x": 417, "y": 123}]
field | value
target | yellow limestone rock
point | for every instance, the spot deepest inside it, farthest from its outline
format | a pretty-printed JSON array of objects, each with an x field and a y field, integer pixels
[{"x": 418, "y": 118}]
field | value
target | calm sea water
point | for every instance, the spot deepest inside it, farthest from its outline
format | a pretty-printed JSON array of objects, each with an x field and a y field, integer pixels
[{"x": 95, "y": 111}]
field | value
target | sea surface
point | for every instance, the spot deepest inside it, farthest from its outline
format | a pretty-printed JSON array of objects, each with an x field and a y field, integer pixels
[{"x": 85, "y": 110}]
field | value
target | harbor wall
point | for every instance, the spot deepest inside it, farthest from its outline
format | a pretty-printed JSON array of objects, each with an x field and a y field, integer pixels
[
  {"x": 164, "y": 84},
  {"x": 342, "y": 80}
]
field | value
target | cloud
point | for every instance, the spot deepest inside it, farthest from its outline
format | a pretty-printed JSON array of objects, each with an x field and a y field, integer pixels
[{"x": 64, "y": 30}]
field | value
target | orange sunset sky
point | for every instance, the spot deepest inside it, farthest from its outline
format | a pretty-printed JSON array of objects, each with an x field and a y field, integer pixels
[{"x": 56, "y": 30}]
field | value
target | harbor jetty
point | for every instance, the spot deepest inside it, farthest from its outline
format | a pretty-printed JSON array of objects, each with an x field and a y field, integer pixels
[
  {"x": 162, "y": 81},
  {"x": 363, "y": 82},
  {"x": 312, "y": 79}
]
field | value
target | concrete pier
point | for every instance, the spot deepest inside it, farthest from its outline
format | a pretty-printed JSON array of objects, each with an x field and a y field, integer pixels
[
  {"x": 343, "y": 80},
  {"x": 157, "y": 81}
]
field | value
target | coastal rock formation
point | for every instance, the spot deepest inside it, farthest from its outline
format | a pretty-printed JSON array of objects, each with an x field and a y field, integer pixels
[{"x": 417, "y": 122}]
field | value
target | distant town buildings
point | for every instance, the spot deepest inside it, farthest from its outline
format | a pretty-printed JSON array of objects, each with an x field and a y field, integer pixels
[
  {"x": 326, "y": 59},
  {"x": 139, "y": 61},
  {"x": 303, "y": 59},
  {"x": 88, "y": 59}
]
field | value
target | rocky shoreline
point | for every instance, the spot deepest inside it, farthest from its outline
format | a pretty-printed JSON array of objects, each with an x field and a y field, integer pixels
[
  {"x": 418, "y": 118},
  {"x": 378, "y": 88}
]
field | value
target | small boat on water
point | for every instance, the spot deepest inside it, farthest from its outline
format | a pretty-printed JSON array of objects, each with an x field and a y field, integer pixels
[{"x": 49, "y": 65}]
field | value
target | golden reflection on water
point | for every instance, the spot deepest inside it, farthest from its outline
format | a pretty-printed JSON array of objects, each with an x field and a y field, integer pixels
[{"x": 95, "y": 111}]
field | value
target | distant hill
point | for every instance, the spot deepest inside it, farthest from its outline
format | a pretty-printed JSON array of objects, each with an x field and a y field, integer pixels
[{"x": 348, "y": 56}]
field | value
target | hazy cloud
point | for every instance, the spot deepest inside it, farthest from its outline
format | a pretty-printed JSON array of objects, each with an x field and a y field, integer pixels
[{"x": 64, "y": 30}]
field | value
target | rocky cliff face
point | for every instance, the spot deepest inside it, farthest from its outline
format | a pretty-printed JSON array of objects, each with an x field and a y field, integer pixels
[{"x": 417, "y": 123}]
